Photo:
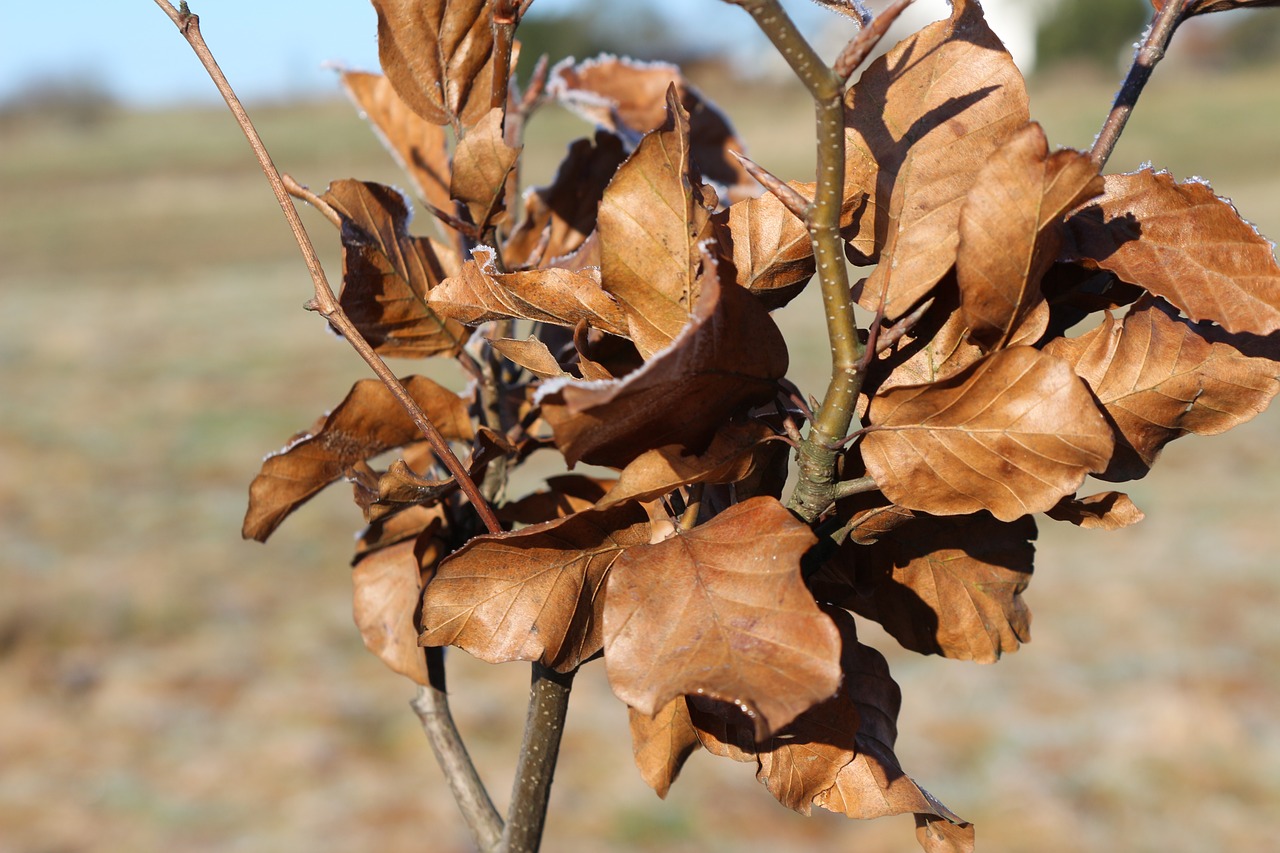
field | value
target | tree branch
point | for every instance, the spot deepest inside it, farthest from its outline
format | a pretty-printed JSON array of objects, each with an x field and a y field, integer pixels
[
  {"x": 324, "y": 301},
  {"x": 548, "y": 706},
  {"x": 1145, "y": 59}
]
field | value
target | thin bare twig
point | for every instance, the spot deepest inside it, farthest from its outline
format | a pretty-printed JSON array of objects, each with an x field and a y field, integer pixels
[
  {"x": 861, "y": 45},
  {"x": 1145, "y": 59},
  {"x": 849, "y": 488},
  {"x": 324, "y": 301},
  {"x": 548, "y": 706},
  {"x": 790, "y": 197}
]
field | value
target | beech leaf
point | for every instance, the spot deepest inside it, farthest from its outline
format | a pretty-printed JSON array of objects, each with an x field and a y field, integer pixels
[
  {"x": 481, "y": 168},
  {"x": 1105, "y": 511},
  {"x": 387, "y": 274},
  {"x": 568, "y": 493},
  {"x": 1159, "y": 377},
  {"x": 367, "y": 422},
  {"x": 921, "y": 123},
  {"x": 728, "y": 358},
  {"x": 534, "y": 594},
  {"x": 1012, "y": 434},
  {"x": 531, "y": 354},
  {"x": 1185, "y": 244},
  {"x": 1010, "y": 233},
  {"x": 439, "y": 56},
  {"x": 388, "y": 589},
  {"x": 722, "y": 611},
  {"x": 662, "y": 743},
  {"x": 652, "y": 221}
]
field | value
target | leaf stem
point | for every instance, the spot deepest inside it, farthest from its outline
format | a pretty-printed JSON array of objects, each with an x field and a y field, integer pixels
[
  {"x": 1145, "y": 59},
  {"x": 432, "y": 707},
  {"x": 544, "y": 726},
  {"x": 324, "y": 302}
]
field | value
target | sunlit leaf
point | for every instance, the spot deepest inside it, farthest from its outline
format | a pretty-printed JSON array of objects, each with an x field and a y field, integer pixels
[
  {"x": 387, "y": 592},
  {"x": 568, "y": 493},
  {"x": 662, "y": 743},
  {"x": 1105, "y": 511},
  {"x": 481, "y": 168}
]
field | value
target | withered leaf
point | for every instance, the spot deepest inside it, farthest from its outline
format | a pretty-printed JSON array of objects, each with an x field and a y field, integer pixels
[
  {"x": 630, "y": 99},
  {"x": 439, "y": 56},
  {"x": 652, "y": 219},
  {"x": 420, "y": 147},
  {"x": 921, "y": 122},
  {"x": 531, "y": 354},
  {"x": 568, "y": 493},
  {"x": 480, "y": 293},
  {"x": 656, "y": 472},
  {"x": 1012, "y": 434},
  {"x": 367, "y": 422},
  {"x": 938, "y": 347},
  {"x": 481, "y": 168},
  {"x": 387, "y": 274},
  {"x": 722, "y": 611},
  {"x": 1183, "y": 243},
  {"x": 535, "y": 594},
  {"x": 1159, "y": 377},
  {"x": 1105, "y": 511},
  {"x": 662, "y": 743},
  {"x": 727, "y": 359},
  {"x": 950, "y": 586},
  {"x": 1011, "y": 231},
  {"x": 388, "y": 589}
]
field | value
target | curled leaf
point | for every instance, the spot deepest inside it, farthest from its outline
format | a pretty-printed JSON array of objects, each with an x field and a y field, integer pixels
[
  {"x": 1105, "y": 511},
  {"x": 483, "y": 164}
]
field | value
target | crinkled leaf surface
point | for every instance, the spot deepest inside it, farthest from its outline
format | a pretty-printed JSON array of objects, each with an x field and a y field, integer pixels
[
  {"x": 1159, "y": 377},
  {"x": 950, "y": 586},
  {"x": 534, "y": 594},
  {"x": 1185, "y": 244},
  {"x": 662, "y": 743},
  {"x": 1103, "y": 511},
  {"x": 387, "y": 274},
  {"x": 939, "y": 346},
  {"x": 481, "y": 168},
  {"x": 1010, "y": 232},
  {"x": 367, "y": 422},
  {"x": 727, "y": 359},
  {"x": 439, "y": 56},
  {"x": 387, "y": 592},
  {"x": 1012, "y": 434},
  {"x": 722, "y": 611},
  {"x": 480, "y": 293},
  {"x": 651, "y": 221},
  {"x": 921, "y": 123}
]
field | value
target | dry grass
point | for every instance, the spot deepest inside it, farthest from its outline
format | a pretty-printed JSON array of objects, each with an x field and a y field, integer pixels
[{"x": 165, "y": 686}]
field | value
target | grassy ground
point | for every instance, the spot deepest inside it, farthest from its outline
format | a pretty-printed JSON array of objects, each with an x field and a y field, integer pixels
[{"x": 164, "y": 685}]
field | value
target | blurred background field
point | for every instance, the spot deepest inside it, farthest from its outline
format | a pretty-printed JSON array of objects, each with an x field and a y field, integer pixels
[{"x": 165, "y": 686}]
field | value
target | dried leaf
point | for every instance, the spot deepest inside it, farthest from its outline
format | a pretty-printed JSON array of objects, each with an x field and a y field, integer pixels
[
  {"x": 651, "y": 222},
  {"x": 480, "y": 293},
  {"x": 921, "y": 122},
  {"x": 481, "y": 168},
  {"x": 367, "y": 422},
  {"x": 1159, "y": 377},
  {"x": 722, "y": 611},
  {"x": 1183, "y": 243},
  {"x": 1105, "y": 511},
  {"x": 727, "y": 359},
  {"x": 531, "y": 354},
  {"x": 1012, "y": 434},
  {"x": 939, "y": 347},
  {"x": 1011, "y": 231},
  {"x": 947, "y": 586},
  {"x": 569, "y": 493},
  {"x": 387, "y": 274},
  {"x": 534, "y": 594},
  {"x": 439, "y": 56},
  {"x": 662, "y": 743},
  {"x": 388, "y": 588}
]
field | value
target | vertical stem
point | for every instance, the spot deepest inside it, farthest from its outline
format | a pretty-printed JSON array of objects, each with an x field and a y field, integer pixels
[{"x": 544, "y": 726}]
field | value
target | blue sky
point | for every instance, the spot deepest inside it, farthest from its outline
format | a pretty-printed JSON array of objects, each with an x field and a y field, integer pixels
[{"x": 267, "y": 49}]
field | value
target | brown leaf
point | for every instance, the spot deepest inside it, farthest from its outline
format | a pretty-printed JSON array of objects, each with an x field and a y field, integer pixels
[
  {"x": 420, "y": 147},
  {"x": 630, "y": 99},
  {"x": 1011, "y": 231},
  {"x": 531, "y": 354},
  {"x": 1012, "y": 434},
  {"x": 534, "y": 594},
  {"x": 727, "y": 359},
  {"x": 651, "y": 222},
  {"x": 1105, "y": 511},
  {"x": 392, "y": 529},
  {"x": 569, "y": 493},
  {"x": 654, "y": 473},
  {"x": 722, "y": 611},
  {"x": 921, "y": 122},
  {"x": 563, "y": 214},
  {"x": 481, "y": 168},
  {"x": 388, "y": 589},
  {"x": 662, "y": 743},
  {"x": 1183, "y": 243},
  {"x": 1159, "y": 377},
  {"x": 937, "y": 348},
  {"x": 367, "y": 422},
  {"x": 947, "y": 586},
  {"x": 439, "y": 56},
  {"x": 480, "y": 293},
  {"x": 387, "y": 274}
]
